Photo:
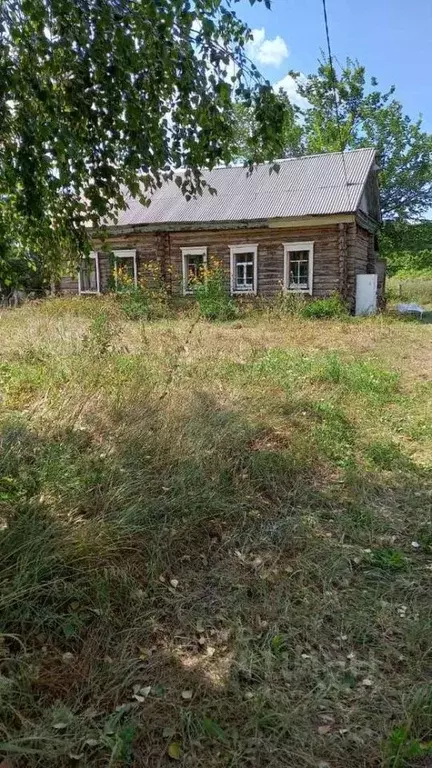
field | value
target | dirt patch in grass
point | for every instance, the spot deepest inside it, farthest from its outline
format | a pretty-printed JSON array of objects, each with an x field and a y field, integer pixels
[{"x": 225, "y": 565}]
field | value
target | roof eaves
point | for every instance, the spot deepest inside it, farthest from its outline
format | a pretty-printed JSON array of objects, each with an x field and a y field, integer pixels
[{"x": 179, "y": 226}]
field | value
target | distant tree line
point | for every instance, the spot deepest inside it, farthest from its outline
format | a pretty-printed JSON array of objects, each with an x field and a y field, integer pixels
[{"x": 407, "y": 247}]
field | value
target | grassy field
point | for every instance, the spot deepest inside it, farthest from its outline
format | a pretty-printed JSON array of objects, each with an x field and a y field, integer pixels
[
  {"x": 402, "y": 288},
  {"x": 215, "y": 541}
]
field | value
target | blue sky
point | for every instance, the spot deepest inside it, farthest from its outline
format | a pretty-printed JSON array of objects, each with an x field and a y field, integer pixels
[{"x": 392, "y": 38}]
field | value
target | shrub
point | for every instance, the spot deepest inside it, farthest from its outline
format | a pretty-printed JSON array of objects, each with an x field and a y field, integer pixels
[
  {"x": 135, "y": 304},
  {"x": 409, "y": 262},
  {"x": 212, "y": 296},
  {"x": 148, "y": 299},
  {"x": 333, "y": 306}
]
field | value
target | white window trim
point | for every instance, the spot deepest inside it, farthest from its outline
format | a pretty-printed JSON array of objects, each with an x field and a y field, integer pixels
[
  {"x": 126, "y": 254},
  {"x": 185, "y": 252},
  {"x": 92, "y": 255},
  {"x": 244, "y": 248},
  {"x": 298, "y": 246}
]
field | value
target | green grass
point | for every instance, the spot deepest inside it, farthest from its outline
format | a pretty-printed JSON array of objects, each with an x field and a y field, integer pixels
[
  {"x": 410, "y": 287},
  {"x": 215, "y": 540}
]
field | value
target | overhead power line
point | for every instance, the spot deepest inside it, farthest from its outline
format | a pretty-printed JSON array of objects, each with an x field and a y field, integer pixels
[{"x": 336, "y": 104}]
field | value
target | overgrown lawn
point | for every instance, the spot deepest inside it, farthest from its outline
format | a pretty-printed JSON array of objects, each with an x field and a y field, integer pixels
[{"x": 216, "y": 541}]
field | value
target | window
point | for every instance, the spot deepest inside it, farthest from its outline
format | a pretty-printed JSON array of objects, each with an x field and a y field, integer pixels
[
  {"x": 243, "y": 268},
  {"x": 125, "y": 264},
  {"x": 88, "y": 275},
  {"x": 298, "y": 267},
  {"x": 194, "y": 261}
]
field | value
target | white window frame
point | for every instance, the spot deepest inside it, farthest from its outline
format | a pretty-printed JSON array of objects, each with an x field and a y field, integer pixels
[
  {"x": 298, "y": 246},
  {"x": 244, "y": 248},
  {"x": 185, "y": 252},
  {"x": 92, "y": 255},
  {"x": 126, "y": 254}
]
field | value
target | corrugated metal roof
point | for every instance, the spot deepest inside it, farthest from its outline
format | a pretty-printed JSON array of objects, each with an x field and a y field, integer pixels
[{"x": 304, "y": 186}]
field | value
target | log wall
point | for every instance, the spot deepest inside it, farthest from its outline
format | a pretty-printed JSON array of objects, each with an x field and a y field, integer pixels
[
  {"x": 361, "y": 256},
  {"x": 340, "y": 252}
]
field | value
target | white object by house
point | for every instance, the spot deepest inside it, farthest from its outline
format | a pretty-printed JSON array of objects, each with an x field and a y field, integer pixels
[
  {"x": 366, "y": 294},
  {"x": 411, "y": 309}
]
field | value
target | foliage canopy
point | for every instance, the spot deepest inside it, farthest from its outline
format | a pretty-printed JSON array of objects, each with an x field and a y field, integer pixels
[
  {"x": 407, "y": 247},
  {"x": 100, "y": 98}
]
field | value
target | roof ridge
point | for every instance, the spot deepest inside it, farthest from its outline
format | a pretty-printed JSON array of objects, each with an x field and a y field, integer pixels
[
  {"x": 293, "y": 158},
  {"x": 322, "y": 154},
  {"x": 241, "y": 166}
]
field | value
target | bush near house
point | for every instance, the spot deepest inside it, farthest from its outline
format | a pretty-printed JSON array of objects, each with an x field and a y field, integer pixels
[
  {"x": 215, "y": 540},
  {"x": 211, "y": 293},
  {"x": 334, "y": 306},
  {"x": 146, "y": 300}
]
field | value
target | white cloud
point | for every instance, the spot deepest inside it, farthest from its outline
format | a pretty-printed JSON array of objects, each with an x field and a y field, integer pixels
[
  {"x": 258, "y": 38},
  {"x": 289, "y": 85},
  {"x": 266, "y": 51}
]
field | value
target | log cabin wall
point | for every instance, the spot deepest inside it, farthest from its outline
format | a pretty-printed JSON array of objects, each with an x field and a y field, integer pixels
[
  {"x": 146, "y": 245},
  {"x": 341, "y": 251},
  {"x": 360, "y": 258},
  {"x": 68, "y": 285},
  {"x": 270, "y": 244}
]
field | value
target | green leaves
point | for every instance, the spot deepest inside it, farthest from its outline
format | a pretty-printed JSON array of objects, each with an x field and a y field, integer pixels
[
  {"x": 213, "y": 729},
  {"x": 174, "y": 751},
  {"x": 97, "y": 96},
  {"x": 407, "y": 246},
  {"x": 278, "y": 644},
  {"x": 265, "y": 126}
]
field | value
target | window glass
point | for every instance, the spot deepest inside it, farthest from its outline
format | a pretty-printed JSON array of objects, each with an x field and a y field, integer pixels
[
  {"x": 194, "y": 268},
  {"x": 298, "y": 270},
  {"x": 124, "y": 269},
  {"x": 244, "y": 271}
]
